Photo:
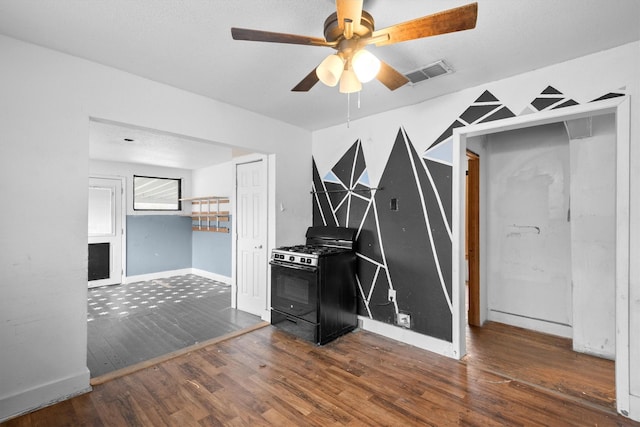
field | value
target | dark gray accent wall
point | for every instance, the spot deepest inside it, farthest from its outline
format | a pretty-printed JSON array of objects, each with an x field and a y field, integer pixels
[
  {"x": 407, "y": 234},
  {"x": 394, "y": 246},
  {"x": 158, "y": 243},
  {"x": 321, "y": 206}
]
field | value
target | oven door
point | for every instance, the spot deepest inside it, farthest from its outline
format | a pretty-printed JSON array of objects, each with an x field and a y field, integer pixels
[{"x": 294, "y": 290}]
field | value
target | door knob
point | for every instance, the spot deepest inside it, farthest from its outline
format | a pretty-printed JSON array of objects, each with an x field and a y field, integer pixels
[{"x": 257, "y": 247}]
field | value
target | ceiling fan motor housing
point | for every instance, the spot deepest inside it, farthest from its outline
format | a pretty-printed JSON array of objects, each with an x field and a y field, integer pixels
[{"x": 332, "y": 31}]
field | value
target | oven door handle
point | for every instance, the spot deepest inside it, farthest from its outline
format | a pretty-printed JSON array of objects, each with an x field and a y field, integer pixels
[{"x": 294, "y": 266}]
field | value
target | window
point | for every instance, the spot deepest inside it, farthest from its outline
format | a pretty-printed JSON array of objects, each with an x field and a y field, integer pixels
[{"x": 156, "y": 194}]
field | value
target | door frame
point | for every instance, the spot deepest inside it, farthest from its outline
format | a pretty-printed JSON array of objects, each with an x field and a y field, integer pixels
[
  {"x": 620, "y": 107},
  {"x": 268, "y": 165},
  {"x": 123, "y": 220}
]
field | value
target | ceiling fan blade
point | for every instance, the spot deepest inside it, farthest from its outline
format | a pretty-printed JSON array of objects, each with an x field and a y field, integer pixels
[
  {"x": 349, "y": 9},
  {"x": 267, "y": 36},
  {"x": 448, "y": 21},
  {"x": 390, "y": 77},
  {"x": 307, "y": 83}
]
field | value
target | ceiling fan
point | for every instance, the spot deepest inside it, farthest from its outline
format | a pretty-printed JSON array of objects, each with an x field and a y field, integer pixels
[{"x": 349, "y": 30}]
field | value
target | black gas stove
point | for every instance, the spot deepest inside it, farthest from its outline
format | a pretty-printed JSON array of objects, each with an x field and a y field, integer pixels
[{"x": 313, "y": 286}]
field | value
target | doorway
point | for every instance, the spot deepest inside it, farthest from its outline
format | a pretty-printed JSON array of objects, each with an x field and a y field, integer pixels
[
  {"x": 105, "y": 231},
  {"x": 620, "y": 107},
  {"x": 167, "y": 303}
]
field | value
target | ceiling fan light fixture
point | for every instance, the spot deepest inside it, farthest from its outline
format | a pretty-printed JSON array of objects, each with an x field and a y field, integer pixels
[
  {"x": 365, "y": 65},
  {"x": 349, "y": 82},
  {"x": 330, "y": 70}
]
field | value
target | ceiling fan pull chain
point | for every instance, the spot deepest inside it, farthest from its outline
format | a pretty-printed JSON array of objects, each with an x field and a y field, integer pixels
[{"x": 348, "y": 109}]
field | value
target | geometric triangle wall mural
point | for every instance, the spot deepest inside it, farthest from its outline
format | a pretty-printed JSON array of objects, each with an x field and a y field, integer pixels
[
  {"x": 422, "y": 241},
  {"x": 486, "y": 108},
  {"x": 344, "y": 198},
  {"x": 549, "y": 99},
  {"x": 404, "y": 224}
]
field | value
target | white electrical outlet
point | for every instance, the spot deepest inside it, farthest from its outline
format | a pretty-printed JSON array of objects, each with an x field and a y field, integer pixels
[
  {"x": 392, "y": 295},
  {"x": 404, "y": 320}
]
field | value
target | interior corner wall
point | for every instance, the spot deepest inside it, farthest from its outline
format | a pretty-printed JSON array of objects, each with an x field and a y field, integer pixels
[
  {"x": 163, "y": 241},
  {"x": 212, "y": 251},
  {"x": 593, "y": 239},
  {"x": 577, "y": 81},
  {"x": 47, "y": 101}
]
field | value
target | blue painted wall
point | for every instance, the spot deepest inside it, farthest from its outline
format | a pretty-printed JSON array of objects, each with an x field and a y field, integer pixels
[
  {"x": 158, "y": 243},
  {"x": 212, "y": 251}
]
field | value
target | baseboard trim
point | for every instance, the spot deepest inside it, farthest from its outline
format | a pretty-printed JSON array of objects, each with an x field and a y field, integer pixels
[
  {"x": 158, "y": 275},
  {"x": 169, "y": 273},
  {"x": 213, "y": 276},
  {"x": 408, "y": 336},
  {"x": 529, "y": 323},
  {"x": 44, "y": 395}
]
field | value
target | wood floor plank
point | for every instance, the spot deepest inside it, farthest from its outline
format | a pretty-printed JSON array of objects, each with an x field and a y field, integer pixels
[
  {"x": 542, "y": 359},
  {"x": 268, "y": 377}
]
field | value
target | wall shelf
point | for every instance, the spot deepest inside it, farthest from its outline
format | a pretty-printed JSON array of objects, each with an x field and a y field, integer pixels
[{"x": 208, "y": 213}]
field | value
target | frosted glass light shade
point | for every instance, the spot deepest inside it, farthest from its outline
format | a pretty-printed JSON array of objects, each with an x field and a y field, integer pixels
[
  {"x": 330, "y": 70},
  {"x": 349, "y": 82},
  {"x": 365, "y": 65}
]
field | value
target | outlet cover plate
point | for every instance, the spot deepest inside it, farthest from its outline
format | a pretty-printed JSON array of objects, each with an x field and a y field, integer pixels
[{"x": 404, "y": 320}]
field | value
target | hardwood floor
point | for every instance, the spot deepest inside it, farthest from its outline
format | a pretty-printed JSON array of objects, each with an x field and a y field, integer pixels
[
  {"x": 267, "y": 377},
  {"x": 542, "y": 360},
  {"x": 131, "y": 323}
]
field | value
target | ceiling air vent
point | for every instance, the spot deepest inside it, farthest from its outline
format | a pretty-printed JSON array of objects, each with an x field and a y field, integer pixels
[{"x": 430, "y": 71}]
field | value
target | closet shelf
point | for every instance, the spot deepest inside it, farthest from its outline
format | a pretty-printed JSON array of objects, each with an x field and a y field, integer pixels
[{"x": 206, "y": 211}]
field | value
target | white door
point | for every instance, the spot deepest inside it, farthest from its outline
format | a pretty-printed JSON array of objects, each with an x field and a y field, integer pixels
[
  {"x": 105, "y": 232},
  {"x": 251, "y": 225}
]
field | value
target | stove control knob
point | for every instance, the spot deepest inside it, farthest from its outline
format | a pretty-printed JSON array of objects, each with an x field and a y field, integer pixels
[
  {"x": 308, "y": 260},
  {"x": 302, "y": 260},
  {"x": 292, "y": 258}
]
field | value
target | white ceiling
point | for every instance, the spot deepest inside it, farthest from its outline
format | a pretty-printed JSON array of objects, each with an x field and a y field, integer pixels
[
  {"x": 118, "y": 143},
  {"x": 188, "y": 44}
]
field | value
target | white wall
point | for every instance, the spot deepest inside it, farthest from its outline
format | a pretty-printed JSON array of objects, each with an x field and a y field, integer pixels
[
  {"x": 593, "y": 231},
  {"x": 47, "y": 101},
  {"x": 213, "y": 180},
  {"x": 528, "y": 230},
  {"x": 127, "y": 170}
]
